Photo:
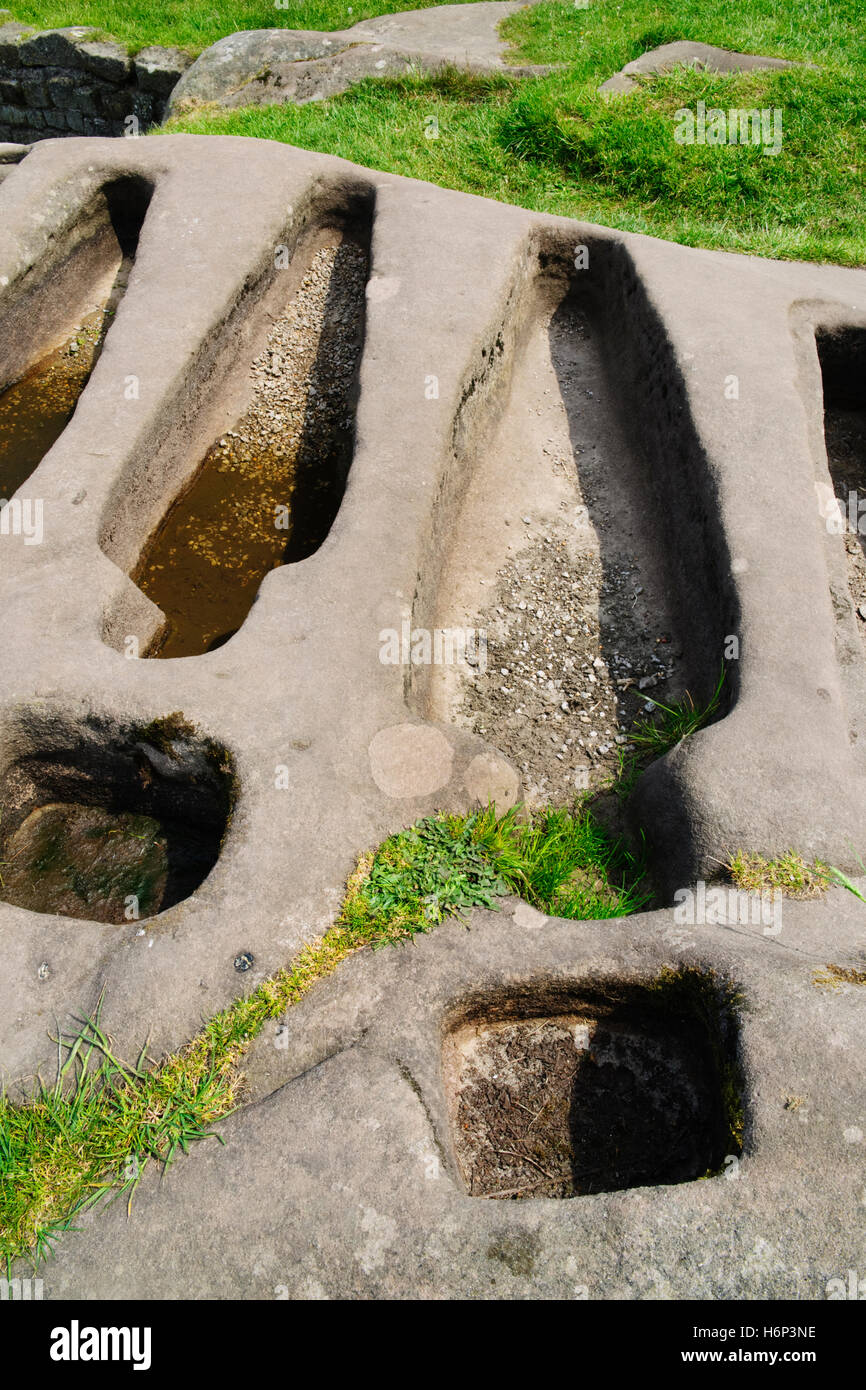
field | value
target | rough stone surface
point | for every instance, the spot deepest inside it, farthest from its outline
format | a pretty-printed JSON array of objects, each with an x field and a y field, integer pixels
[
  {"x": 105, "y": 59},
  {"x": 273, "y": 65},
  {"x": 53, "y": 47},
  {"x": 339, "y": 1178},
  {"x": 347, "y": 1131},
  {"x": 157, "y": 68},
  {"x": 686, "y": 53}
]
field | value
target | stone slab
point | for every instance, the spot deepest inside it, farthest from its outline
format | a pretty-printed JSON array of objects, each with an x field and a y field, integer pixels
[
  {"x": 687, "y": 53},
  {"x": 339, "y": 1181},
  {"x": 345, "y": 1121},
  {"x": 268, "y": 65},
  {"x": 749, "y": 780}
]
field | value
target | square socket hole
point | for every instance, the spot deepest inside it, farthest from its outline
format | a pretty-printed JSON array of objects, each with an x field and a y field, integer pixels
[{"x": 557, "y": 1093}]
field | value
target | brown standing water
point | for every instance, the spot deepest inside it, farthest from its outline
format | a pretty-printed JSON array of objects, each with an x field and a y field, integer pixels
[
  {"x": 116, "y": 827},
  {"x": 35, "y": 410},
  {"x": 267, "y": 491},
  {"x": 84, "y": 861},
  {"x": 94, "y": 862}
]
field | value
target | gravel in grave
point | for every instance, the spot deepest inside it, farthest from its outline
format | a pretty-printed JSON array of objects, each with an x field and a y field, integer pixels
[
  {"x": 571, "y": 663},
  {"x": 856, "y": 561}
]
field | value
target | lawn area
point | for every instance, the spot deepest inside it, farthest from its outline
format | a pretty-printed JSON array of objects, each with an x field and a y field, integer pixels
[
  {"x": 556, "y": 146},
  {"x": 553, "y": 144},
  {"x": 179, "y": 24}
]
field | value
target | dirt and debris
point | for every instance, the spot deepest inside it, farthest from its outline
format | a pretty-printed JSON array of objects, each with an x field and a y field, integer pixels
[
  {"x": 569, "y": 1105},
  {"x": 561, "y": 709},
  {"x": 845, "y": 437},
  {"x": 555, "y": 559}
]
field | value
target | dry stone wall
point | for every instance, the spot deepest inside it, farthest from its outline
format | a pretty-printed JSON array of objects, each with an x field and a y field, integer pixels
[{"x": 71, "y": 81}]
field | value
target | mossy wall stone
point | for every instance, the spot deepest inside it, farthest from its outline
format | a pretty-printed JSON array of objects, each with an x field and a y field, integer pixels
[{"x": 70, "y": 81}]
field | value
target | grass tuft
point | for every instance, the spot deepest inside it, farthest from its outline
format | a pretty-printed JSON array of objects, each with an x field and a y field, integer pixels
[
  {"x": 789, "y": 874},
  {"x": 565, "y": 864},
  {"x": 656, "y": 735},
  {"x": 833, "y": 977},
  {"x": 668, "y": 725},
  {"x": 843, "y": 881}
]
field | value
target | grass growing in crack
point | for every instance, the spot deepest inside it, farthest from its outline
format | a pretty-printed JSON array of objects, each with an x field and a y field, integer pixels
[
  {"x": 670, "y": 724},
  {"x": 789, "y": 874},
  {"x": 564, "y": 863},
  {"x": 435, "y": 869},
  {"x": 656, "y": 735},
  {"x": 843, "y": 881},
  {"x": 91, "y": 1135}
]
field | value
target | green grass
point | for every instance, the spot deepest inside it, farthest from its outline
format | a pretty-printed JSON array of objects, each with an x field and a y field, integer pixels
[
  {"x": 561, "y": 862},
  {"x": 668, "y": 725},
  {"x": 610, "y": 33},
  {"x": 843, "y": 881},
  {"x": 89, "y": 1137},
  {"x": 554, "y": 145},
  {"x": 564, "y": 863},
  {"x": 789, "y": 874},
  {"x": 177, "y": 23}
]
